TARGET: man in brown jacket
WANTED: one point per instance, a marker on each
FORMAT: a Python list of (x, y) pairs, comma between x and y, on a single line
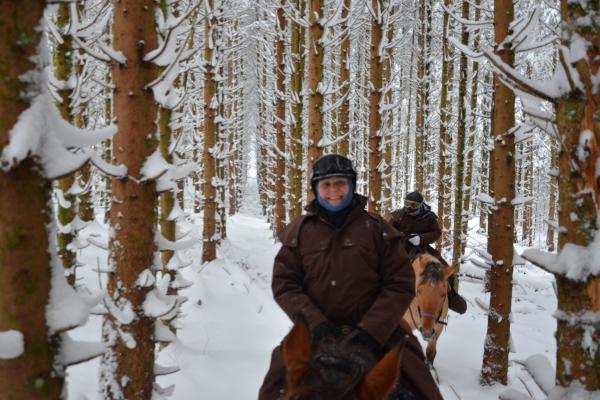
[(341, 269), (421, 229)]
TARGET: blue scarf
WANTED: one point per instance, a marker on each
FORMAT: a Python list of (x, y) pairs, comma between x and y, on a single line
[(346, 201), (336, 215), (416, 213)]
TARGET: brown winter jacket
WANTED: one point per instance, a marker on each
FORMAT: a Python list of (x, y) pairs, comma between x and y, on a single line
[(425, 225), (357, 274)]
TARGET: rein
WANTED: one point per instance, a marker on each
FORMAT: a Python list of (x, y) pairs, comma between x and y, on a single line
[(428, 315)]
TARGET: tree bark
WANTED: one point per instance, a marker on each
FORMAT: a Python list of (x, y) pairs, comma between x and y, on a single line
[(315, 76), (553, 183), (445, 140), (461, 213), (297, 149), (63, 68), (24, 258), (501, 231), (420, 142), (280, 125), (128, 364), (577, 333), (375, 128), (209, 241), (344, 81)]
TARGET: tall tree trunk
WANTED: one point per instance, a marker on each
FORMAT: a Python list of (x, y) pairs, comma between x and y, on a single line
[(128, 365), (316, 53), (388, 123), (467, 207), (552, 220), (24, 258), (485, 154), (528, 227), (375, 87), (209, 247), (297, 149), (420, 142), (167, 198), (444, 165), (409, 119), (461, 214), (280, 125), (63, 67), (501, 232), (344, 81), (577, 333), (85, 208)]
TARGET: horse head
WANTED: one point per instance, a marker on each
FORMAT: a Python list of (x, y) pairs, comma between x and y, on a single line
[(335, 371), (432, 293)]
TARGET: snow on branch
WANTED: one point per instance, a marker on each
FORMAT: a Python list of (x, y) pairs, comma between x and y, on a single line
[(160, 370), (41, 132), (12, 344), (166, 174), (541, 370), (513, 394), (547, 90), (74, 352), (164, 244), (467, 22), (575, 262), (65, 309)]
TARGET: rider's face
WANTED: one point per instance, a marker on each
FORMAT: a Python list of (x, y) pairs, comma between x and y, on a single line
[(333, 190)]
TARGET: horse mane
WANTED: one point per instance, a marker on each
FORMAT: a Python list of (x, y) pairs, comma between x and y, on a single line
[(432, 271), (336, 370)]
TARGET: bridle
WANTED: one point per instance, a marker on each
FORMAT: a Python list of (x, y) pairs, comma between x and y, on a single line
[(426, 314)]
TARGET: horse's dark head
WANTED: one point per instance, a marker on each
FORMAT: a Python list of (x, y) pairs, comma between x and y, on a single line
[(335, 370)]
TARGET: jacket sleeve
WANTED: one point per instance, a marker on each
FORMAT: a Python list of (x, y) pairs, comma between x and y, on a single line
[(288, 288), (395, 221), (396, 294), (433, 232)]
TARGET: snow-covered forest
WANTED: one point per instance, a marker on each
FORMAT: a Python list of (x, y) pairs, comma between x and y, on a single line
[(152, 150)]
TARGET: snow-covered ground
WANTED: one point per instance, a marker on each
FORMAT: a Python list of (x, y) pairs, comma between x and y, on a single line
[(231, 322)]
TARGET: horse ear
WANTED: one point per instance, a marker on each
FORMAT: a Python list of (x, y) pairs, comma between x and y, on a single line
[(380, 381), (448, 272), (296, 354)]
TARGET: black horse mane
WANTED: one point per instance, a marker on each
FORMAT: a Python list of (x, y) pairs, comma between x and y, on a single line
[(335, 372), (432, 273)]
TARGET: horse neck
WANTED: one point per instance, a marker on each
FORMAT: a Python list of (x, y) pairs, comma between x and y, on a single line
[(411, 316)]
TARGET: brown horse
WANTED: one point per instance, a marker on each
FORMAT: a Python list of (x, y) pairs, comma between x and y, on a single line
[(333, 371), (429, 309)]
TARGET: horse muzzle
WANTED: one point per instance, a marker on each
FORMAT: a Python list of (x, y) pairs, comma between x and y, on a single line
[(427, 335)]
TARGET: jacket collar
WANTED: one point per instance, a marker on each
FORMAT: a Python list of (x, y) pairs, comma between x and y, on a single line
[(357, 207)]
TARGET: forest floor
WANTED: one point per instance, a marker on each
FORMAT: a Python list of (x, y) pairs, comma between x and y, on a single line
[(230, 323)]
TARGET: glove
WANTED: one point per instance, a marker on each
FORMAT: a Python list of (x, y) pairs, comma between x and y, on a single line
[(415, 240), (325, 330), (368, 342)]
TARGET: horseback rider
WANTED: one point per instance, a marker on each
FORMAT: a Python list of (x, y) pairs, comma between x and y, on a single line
[(344, 272), (421, 229)]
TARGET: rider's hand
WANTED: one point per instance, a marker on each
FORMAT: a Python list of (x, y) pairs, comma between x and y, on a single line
[(325, 330), (415, 240), (362, 338)]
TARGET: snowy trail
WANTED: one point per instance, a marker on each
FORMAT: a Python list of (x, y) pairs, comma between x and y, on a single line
[(231, 323)]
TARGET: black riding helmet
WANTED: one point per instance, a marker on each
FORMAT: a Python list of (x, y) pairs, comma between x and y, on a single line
[(332, 165), (413, 200)]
